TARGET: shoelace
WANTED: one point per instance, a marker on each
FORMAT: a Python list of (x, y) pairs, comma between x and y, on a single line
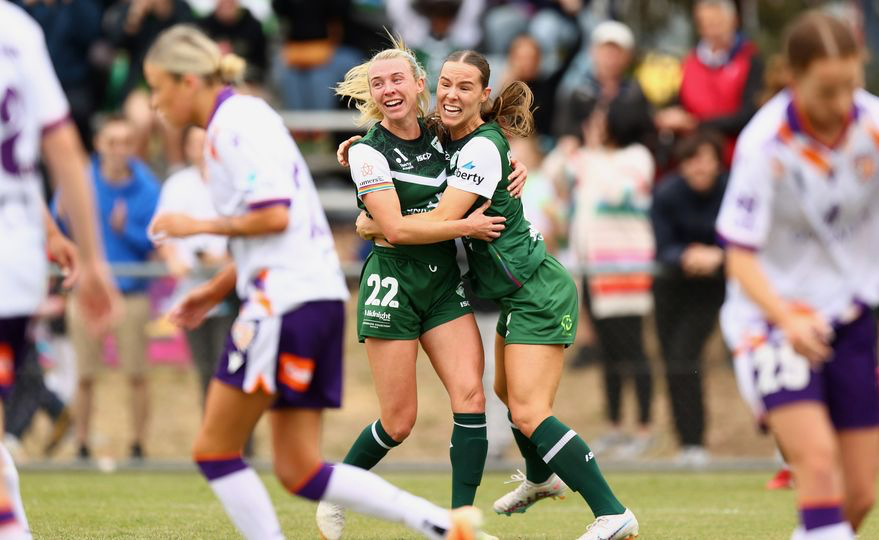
[(518, 477), (598, 522)]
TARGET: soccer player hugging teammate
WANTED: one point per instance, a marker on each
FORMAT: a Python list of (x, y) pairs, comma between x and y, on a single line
[(537, 297), (800, 223), (411, 293), (284, 352)]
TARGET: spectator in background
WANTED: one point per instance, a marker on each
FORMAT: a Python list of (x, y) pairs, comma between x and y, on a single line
[(313, 58), (126, 193), (722, 78), (540, 198), (614, 174), (71, 29), (435, 28), (186, 192), (131, 26), (690, 289), (612, 47), (524, 64), (236, 30)]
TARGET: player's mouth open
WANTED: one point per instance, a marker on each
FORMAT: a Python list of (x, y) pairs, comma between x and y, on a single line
[(451, 109), (393, 104)]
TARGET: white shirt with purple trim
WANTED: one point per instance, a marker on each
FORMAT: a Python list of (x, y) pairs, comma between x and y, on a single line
[(808, 211), (31, 102), (252, 162)]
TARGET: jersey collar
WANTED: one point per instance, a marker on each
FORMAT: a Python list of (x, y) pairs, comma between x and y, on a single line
[(224, 94)]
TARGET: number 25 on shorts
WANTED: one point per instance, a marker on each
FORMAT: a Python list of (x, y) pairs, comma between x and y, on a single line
[(779, 367), (377, 283)]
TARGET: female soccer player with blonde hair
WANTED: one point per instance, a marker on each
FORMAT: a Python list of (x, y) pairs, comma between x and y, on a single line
[(411, 293), (800, 224), (284, 351), (537, 297)]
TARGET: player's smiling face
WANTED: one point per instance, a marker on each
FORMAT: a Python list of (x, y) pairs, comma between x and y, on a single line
[(459, 97), (393, 86)]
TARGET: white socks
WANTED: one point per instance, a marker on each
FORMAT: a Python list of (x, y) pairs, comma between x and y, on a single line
[(367, 493), (10, 481), (837, 531), (247, 502)]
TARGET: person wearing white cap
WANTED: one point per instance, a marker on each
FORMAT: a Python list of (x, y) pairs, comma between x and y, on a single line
[(611, 50)]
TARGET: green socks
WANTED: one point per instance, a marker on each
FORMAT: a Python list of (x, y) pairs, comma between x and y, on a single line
[(536, 471), (569, 456), (370, 447), (467, 452)]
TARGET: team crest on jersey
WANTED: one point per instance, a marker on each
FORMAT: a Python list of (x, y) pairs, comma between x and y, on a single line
[(436, 144), (567, 323), (243, 333), (460, 290), (453, 161), (865, 165)]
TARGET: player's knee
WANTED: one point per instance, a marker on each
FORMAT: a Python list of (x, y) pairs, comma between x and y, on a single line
[(400, 425), (526, 418), (470, 399), (820, 464), (294, 473)]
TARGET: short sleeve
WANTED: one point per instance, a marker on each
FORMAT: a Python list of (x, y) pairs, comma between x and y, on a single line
[(254, 172), (479, 168), (746, 211), (50, 104), (369, 170)]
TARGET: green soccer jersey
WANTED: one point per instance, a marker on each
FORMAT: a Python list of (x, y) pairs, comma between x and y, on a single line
[(480, 163), (415, 169)]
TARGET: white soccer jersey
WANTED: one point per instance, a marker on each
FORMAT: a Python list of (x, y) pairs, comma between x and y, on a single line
[(31, 102), (253, 162), (808, 211)]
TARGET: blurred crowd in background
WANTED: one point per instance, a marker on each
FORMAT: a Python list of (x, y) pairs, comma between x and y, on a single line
[(638, 106)]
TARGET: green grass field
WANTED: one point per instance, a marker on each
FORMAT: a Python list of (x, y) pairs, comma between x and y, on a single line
[(670, 506)]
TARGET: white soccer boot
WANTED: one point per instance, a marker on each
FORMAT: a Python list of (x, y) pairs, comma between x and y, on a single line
[(614, 527), (520, 499), (330, 520)]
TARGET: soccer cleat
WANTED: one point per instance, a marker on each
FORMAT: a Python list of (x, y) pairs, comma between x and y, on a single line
[(330, 520), (783, 479), (520, 499), (614, 527), (466, 523)]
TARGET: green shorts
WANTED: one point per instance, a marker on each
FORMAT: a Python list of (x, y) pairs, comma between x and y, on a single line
[(543, 311), (401, 298)]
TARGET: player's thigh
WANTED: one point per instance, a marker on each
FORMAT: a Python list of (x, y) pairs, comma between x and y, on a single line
[(393, 373), (859, 455), (807, 438), (500, 370), (533, 373), (230, 414), (455, 350), (296, 437)]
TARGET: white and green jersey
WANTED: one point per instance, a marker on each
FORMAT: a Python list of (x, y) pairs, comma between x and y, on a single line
[(415, 169), (480, 163)]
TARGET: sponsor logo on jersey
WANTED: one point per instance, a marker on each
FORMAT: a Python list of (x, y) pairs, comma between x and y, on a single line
[(469, 177), (403, 161), (381, 315), (423, 157), (366, 169), (469, 166), (567, 323), (436, 144)]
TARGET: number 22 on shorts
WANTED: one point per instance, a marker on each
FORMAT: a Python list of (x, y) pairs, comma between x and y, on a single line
[(779, 367), (377, 283)]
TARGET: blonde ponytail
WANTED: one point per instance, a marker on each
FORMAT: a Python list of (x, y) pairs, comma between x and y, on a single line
[(355, 85), (185, 50)]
